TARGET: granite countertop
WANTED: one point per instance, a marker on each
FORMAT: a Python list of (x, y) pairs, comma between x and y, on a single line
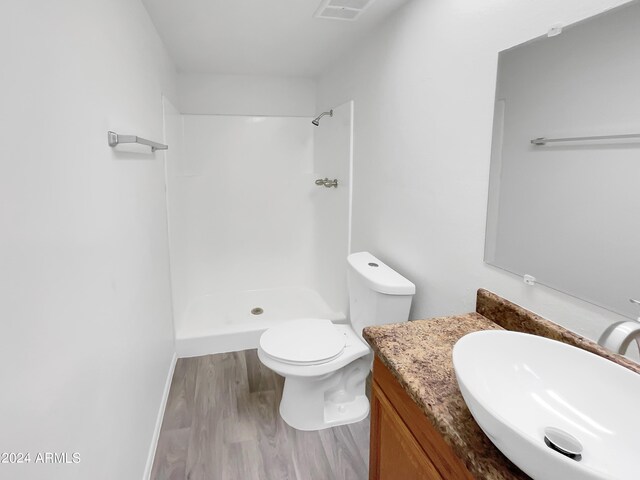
[(419, 355)]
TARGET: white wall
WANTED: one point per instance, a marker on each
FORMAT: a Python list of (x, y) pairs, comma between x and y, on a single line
[(424, 87), (87, 337), (246, 95)]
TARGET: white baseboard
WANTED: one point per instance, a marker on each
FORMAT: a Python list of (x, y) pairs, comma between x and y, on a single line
[(156, 431)]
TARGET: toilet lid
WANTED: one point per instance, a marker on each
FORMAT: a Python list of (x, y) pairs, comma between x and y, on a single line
[(306, 341)]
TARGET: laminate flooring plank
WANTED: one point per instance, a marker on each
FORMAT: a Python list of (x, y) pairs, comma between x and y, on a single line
[(205, 455), (260, 377), (171, 455), (274, 439), (241, 425), (181, 395), (309, 457), (360, 433), (243, 462), (343, 454), (238, 425), (222, 423)]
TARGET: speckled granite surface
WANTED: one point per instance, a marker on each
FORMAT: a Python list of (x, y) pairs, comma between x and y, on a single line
[(418, 354), (515, 318)]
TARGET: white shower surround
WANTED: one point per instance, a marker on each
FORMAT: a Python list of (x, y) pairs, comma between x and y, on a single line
[(249, 227)]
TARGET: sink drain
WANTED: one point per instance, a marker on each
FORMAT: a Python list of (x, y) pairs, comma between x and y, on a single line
[(257, 311), (562, 442)]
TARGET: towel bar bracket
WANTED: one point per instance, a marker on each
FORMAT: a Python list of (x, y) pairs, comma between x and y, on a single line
[(115, 139)]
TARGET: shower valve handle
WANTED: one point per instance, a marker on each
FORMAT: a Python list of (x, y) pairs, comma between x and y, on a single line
[(327, 183)]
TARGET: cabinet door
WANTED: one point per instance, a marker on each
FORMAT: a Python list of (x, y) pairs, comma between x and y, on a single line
[(395, 453)]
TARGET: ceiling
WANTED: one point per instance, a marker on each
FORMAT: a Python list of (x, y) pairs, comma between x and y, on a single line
[(258, 37)]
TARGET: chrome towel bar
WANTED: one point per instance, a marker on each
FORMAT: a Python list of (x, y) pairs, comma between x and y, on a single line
[(544, 141), (115, 139)]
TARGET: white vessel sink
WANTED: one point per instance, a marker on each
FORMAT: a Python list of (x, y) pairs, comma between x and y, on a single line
[(519, 386)]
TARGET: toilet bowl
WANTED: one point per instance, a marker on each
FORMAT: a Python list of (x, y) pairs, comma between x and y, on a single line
[(326, 365)]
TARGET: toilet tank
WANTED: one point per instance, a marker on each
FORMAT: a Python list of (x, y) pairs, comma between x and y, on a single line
[(377, 293)]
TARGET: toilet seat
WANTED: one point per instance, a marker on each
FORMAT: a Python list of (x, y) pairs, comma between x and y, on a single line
[(309, 341)]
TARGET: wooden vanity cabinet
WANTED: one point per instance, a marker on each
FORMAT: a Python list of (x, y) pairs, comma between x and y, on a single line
[(404, 443)]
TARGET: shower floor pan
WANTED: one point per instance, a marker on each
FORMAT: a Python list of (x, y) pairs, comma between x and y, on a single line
[(232, 321)]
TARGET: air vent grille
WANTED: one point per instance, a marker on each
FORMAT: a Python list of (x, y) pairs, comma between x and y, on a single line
[(342, 9), (354, 4)]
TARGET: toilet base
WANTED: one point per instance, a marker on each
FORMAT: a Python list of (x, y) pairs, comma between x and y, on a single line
[(337, 398)]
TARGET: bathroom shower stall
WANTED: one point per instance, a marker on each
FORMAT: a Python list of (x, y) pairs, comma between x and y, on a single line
[(257, 236)]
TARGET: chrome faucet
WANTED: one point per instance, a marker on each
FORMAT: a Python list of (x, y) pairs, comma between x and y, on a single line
[(618, 336)]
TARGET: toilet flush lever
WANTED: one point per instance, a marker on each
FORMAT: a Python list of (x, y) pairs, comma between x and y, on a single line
[(327, 183)]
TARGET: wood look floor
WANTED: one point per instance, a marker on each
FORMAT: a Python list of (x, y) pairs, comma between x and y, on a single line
[(222, 423)]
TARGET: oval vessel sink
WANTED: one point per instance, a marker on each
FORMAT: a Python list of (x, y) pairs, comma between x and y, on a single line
[(556, 411)]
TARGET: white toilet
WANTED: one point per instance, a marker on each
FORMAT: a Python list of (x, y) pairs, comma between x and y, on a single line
[(325, 365)]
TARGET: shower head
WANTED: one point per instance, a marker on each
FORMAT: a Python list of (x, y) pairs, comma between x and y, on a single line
[(316, 121)]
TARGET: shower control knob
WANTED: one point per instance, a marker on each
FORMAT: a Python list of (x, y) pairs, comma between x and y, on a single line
[(327, 183)]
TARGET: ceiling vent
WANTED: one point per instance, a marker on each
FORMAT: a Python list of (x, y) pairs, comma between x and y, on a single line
[(348, 10)]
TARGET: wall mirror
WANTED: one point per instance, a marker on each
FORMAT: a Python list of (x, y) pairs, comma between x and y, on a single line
[(564, 196)]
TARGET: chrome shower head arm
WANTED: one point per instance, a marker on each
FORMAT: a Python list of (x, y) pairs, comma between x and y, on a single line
[(316, 121)]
